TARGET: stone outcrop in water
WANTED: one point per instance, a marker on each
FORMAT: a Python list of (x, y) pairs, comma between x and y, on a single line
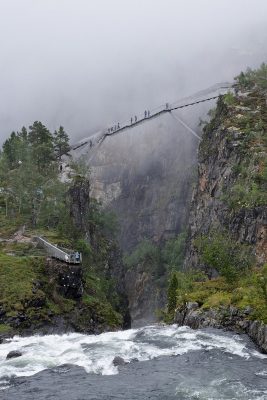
[(14, 354), (118, 361), (230, 318)]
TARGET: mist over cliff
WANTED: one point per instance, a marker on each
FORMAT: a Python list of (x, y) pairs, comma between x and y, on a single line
[(87, 65)]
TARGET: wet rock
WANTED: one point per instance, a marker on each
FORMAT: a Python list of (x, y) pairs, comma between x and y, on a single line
[(192, 320), (230, 318), (192, 305), (118, 361), (134, 360), (13, 354), (179, 317), (258, 333)]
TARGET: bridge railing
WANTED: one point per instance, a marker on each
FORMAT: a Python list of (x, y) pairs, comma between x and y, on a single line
[(138, 119), (55, 252)]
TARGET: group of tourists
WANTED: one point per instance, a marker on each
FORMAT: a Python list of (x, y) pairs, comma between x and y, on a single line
[(134, 119)]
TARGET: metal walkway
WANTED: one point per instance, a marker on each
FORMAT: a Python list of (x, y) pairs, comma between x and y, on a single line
[(60, 254), (98, 138)]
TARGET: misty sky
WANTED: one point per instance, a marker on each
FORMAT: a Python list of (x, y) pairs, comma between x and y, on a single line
[(85, 64)]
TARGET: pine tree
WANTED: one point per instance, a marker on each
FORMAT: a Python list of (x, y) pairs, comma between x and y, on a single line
[(41, 142), (11, 149), (61, 143), (172, 293)]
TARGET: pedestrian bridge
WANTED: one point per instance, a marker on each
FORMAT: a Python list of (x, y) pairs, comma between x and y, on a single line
[(99, 137), (65, 255)]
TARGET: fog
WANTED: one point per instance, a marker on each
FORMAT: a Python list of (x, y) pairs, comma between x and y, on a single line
[(86, 65)]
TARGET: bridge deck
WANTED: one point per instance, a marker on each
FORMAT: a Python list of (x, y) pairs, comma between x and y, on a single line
[(114, 131), (56, 252)]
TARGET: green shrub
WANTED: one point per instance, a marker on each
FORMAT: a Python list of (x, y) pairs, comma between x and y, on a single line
[(227, 256), (173, 252), (229, 99), (251, 78), (145, 252), (172, 298), (82, 246)]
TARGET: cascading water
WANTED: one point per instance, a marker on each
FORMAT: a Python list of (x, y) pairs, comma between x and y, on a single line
[(163, 362)]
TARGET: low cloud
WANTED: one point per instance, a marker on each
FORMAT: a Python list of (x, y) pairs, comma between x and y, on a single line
[(86, 65)]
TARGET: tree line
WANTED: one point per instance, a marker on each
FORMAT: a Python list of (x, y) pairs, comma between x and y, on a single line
[(30, 187)]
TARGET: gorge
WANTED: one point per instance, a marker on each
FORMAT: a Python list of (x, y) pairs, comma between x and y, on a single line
[(170, 229)]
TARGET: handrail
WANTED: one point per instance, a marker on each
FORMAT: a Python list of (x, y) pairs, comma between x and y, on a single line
[(56, 252), (99, 137)]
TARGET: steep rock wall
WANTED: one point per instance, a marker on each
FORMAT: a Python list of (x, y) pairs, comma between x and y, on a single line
[(230, 162), (144, 175)]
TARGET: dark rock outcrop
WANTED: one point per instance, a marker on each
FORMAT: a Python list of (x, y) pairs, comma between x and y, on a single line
[(79, 196), (118, 361), (145, 294), (68, 278), (14, 354), (230, 318), (114, 270)]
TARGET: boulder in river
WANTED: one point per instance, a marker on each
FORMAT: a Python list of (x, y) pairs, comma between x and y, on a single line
[(14, 354), (118, 361)]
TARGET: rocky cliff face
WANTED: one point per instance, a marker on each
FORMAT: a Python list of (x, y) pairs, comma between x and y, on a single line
[(230, 197), (145, 295), (144, 175), (106, 251), (79, 200), (229, 194), (230, 318)]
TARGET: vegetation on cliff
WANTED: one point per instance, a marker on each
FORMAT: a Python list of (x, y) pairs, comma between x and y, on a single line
[(37, 200), (226, 265)]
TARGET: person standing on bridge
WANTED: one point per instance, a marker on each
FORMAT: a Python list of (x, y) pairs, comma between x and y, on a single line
[(145, 113), (167, 106), (135, 118), (148, 114), (77, 256), (118, 125), (131, 120)]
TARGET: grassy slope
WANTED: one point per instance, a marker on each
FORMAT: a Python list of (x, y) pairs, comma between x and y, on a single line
[(248, 291), (21, 266)]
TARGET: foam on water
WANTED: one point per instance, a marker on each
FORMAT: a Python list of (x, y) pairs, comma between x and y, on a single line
[(96, 353), (219, 389)]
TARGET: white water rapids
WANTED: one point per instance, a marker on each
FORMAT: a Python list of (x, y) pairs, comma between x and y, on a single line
[(96, 353)]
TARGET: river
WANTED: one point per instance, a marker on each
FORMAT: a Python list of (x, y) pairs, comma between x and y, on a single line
[(164, 363)]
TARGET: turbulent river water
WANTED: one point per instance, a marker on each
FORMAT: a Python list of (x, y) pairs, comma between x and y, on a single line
[(164, 362)]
